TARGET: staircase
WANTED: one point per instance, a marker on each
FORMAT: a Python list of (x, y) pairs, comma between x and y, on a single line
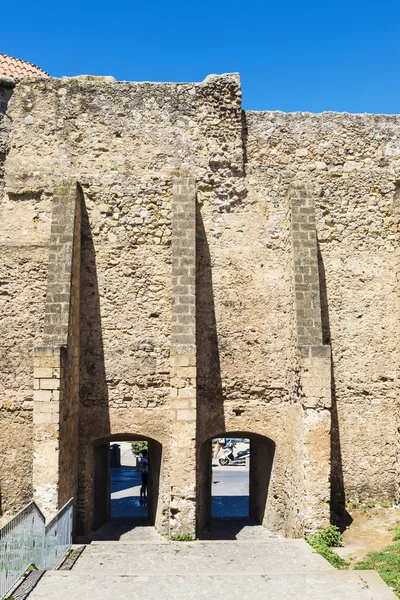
[(253, 567)]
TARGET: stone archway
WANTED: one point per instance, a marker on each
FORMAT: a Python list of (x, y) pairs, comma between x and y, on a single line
[(98, 473), (262, 454)]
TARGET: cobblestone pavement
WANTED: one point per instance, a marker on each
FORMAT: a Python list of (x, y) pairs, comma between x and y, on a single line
[(249, 568)]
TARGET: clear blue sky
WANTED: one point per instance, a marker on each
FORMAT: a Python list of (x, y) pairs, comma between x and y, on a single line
[(309, 56)]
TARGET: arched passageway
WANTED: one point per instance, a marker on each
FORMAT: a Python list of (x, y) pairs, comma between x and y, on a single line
[(99, 464), (262, 453)]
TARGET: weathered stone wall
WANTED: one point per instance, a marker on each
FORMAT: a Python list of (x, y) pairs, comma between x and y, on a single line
[(125, 143), (24, 234), (352, 163), (245, 344)]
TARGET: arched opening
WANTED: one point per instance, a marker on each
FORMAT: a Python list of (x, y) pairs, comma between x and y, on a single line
[(231, 505), (230, 478), (129, 479), (117, 485)]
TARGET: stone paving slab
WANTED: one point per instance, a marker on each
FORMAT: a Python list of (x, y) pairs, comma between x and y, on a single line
[(201, 557), (278, 585)]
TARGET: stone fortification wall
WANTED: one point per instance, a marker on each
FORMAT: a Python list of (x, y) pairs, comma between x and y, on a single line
[(353, 165), (125, 143), (24, 234)]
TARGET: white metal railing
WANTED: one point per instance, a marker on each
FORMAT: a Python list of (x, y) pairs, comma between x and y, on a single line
[(58, 533), (26, 540), (21, 544)]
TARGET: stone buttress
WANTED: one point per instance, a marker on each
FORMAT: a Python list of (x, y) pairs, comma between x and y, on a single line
[(314, 358), (56, 362), (183, 359)]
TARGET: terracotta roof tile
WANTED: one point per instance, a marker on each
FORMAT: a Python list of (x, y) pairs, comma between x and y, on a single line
[(14, 67)]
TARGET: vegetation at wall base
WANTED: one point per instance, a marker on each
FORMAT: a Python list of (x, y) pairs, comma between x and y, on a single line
[(323, 541), (386, 563), (181, 538)]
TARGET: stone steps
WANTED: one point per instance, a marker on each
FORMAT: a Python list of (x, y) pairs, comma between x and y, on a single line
[(193, 557), (270, 585), (273, 569)]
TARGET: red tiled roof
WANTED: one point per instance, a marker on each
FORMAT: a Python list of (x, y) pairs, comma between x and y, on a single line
[(15, 67)]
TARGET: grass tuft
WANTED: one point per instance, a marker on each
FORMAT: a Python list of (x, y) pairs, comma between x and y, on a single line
[(181, 538), (386, 563)]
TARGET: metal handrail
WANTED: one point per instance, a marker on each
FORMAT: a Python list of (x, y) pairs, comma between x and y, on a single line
[(19, 513), (58, 533), (22, 541), (26, 540)]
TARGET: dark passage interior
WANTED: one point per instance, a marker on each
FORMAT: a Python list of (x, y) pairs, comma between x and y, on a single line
[(230, 478), (126, 466), (118, 480), (233, 485)]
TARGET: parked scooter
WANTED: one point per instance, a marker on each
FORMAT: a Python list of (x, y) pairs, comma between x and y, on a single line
[(229, 458)]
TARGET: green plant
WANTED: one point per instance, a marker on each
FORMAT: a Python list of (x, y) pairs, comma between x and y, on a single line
[(330, 536), (323, 541), (396, 533), (364, 505), (387, 563), (181, 538), (138, 447)]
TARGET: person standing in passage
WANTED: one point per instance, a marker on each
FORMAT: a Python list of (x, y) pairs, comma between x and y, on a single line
[(220, 445), (144, 470)]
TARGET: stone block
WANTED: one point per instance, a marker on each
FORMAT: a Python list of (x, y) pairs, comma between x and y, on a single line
[(177, 383), (186, 372), (47, 418), (187, 392), (42, 395), (188, 415), (49, 361), (45, 351), (43, 372), (50, 384), (178, 403)]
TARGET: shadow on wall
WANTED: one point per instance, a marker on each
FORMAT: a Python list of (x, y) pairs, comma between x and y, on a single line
[(262, 455), (94, 420), (5, 95), (339, 514), (210, 402), (245, 135)]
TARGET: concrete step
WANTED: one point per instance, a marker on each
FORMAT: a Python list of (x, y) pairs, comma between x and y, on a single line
[(200, 557), (96, 584)]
